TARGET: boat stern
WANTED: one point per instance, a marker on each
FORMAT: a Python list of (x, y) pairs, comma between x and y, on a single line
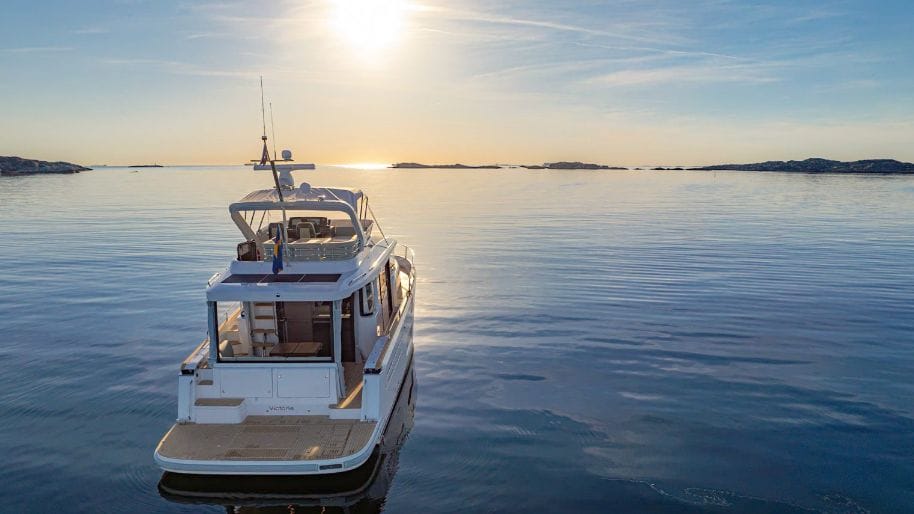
[(268, 445)]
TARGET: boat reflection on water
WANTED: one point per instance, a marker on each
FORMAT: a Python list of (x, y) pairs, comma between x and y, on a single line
[(360, 490)]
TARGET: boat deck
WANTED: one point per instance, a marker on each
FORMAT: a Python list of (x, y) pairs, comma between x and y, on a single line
[(268, 438)]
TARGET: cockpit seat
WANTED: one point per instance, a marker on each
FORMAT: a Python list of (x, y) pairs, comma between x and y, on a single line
[(345, 231), (306, 230), (225, 349)]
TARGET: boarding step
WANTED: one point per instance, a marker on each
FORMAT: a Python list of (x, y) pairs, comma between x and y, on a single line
[(349, 407), (219, 410), (205, 389), (336, 413)]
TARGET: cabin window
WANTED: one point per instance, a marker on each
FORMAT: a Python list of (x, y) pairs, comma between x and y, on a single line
[(384, 298), (347, 327), (383, 291), (366, 299), (390, 291), (393, 272), (225, 320)]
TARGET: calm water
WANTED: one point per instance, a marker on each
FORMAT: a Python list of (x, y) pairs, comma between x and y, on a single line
[(585, 341)]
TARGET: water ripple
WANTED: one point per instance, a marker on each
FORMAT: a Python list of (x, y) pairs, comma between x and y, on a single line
[(633, 341)]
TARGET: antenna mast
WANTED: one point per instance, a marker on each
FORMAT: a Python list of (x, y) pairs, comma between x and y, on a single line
[(263, 115), (263, 112), (273, 129)]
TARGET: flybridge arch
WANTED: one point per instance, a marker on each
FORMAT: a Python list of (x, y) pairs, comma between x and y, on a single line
[(351, 202)]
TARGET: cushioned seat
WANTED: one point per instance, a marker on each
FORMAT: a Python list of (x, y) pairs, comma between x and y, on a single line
[(226, 349), (344, 231), (305, 230)]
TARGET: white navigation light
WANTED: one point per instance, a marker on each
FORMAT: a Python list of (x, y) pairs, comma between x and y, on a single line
[(287, 155)]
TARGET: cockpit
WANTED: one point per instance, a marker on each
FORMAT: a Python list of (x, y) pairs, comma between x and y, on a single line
[(343, 330)]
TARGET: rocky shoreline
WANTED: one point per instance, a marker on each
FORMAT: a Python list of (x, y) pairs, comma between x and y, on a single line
[(20, 166), (817, 165), (813, 165)]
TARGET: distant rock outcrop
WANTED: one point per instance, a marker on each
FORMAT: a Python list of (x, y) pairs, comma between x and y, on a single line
[(821, 166), (20, 166), (416, 165), (565, 165)]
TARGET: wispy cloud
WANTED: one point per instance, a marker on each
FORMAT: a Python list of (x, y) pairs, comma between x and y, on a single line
[(90, 31), (236, 18), (618, 30), (204, 35), (223, 35), (816, 15), (698, 73), (183, 68), (661, 52), (35, 49)]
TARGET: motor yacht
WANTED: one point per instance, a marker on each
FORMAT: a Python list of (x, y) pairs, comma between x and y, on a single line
[(310, 334)]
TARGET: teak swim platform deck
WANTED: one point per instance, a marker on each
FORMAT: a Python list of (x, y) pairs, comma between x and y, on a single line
[(268, 438)]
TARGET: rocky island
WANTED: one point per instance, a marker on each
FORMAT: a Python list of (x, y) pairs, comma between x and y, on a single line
[(575, 165), (814, 165), (416, 165), (20, 166), (821, 166)]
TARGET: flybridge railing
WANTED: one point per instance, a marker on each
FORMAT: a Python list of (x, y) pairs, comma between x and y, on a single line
[(333, 251), (408, 254)]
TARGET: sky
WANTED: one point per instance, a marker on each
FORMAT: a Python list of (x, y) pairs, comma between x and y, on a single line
[(620, 82)]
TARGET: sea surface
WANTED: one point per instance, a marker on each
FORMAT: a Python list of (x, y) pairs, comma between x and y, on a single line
[(586, 341)]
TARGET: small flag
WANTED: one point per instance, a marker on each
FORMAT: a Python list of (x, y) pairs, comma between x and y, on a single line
[(266, 154), (277, 251)]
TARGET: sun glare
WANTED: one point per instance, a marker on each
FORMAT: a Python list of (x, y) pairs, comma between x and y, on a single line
[(369, 26)]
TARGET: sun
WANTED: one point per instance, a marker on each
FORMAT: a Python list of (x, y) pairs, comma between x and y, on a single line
[(369, 26)]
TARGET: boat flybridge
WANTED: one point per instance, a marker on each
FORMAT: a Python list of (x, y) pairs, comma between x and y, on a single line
[(310, 336)]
